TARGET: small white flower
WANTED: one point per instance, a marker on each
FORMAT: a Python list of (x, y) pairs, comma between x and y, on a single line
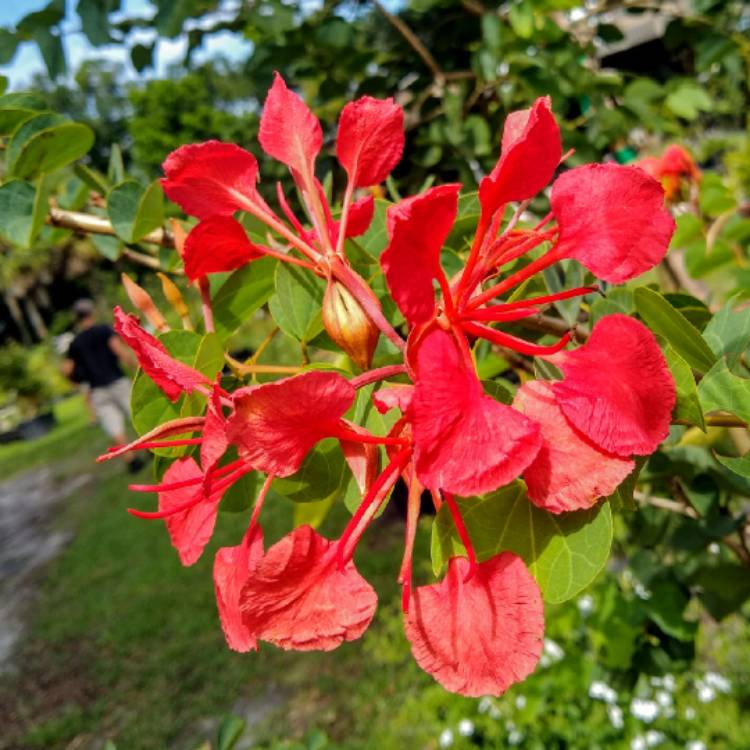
[(654, 738), (714, 548), (615, 716), (718, 681), (585, 604), (600, 691), (495, 712), (515, 737), (484, 705), (669, 682), (466, 727), (689, 713), (638, 743), (520, 702), (705, 692), (641, 591), (696, 745), (446, 738), (645, 710), (663, 698), (553, 650)]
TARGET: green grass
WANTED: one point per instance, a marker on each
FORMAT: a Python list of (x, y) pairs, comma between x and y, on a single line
[(71, 433)]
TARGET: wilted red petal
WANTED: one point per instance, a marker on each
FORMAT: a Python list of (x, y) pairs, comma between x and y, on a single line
[(465, 442), (360, 216), (530, 154), (211, 178), (297, 598), (289, 131), (171, 375), (232, 567), (478, 637), (612, 219), (569, 472), (276, 424), (370, 140), (215, 245), (617, 390), (191, 529), (417, 228)]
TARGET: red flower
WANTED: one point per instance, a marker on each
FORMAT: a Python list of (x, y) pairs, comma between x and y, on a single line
[(478, 632), (672, 168)]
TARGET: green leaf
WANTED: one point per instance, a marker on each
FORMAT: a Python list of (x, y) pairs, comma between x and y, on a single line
[(665, 607), (92, 178), (722, 390), (134, 210), (244, 292), (115, 167), (521, 18), (23, 209), (375, 239), (17, 108), (319, 477), (689, 100), (564, 552), (314, 513), (728, 332), (230, 731), (688, 407), (715, 195), (739, 465), (8, 44), (142, 56), (94, 15), (689, 228), (675, 328), (53, 53), (296, 304), (45, 143)]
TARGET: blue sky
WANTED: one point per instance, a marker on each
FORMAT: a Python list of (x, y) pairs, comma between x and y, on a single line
[(28, 61)]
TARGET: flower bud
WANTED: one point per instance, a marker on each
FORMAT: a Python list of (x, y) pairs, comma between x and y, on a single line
[(141, 299), (348, 324)]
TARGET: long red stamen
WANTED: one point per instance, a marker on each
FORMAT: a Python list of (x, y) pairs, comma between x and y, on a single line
[(187, 482), (464, 282), (171, 443), (293, 220), (412, 516), (173, 427), (344, 433), (500, 316), (543, 300), (253, 525), (509, 253), (545, 261), (463, 534), (369, 506), (511, 342)]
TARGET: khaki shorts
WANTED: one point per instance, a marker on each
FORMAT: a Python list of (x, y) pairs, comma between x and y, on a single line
[(112, 406)]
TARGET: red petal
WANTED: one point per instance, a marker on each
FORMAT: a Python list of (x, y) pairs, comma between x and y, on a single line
[(530, 154), (569, 472), (360, 216), (478, 637), (393, 397), (465, 442), (276, 424), (211, 178), (215, 441), (417, 228), (215, 245), (370, 139), (297, 598), (231, 571), (171, 375), (612, 219), (289, 131), (191, 529), (618, 390)]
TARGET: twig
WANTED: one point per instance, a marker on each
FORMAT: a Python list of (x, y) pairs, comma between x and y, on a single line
[(88, 224)]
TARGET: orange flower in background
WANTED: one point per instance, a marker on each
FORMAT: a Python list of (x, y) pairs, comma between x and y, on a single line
[(674, 169)]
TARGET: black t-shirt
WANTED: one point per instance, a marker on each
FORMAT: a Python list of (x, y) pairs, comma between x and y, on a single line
[(95, 363)]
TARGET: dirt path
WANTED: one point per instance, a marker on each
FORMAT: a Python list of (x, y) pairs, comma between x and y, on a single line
[(28, 540)]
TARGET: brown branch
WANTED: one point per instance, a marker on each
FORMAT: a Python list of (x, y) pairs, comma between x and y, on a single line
[(558, 326), (88, 224), (413, 41)]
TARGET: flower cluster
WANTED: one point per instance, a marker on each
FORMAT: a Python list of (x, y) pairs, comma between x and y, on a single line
[(572, 440)]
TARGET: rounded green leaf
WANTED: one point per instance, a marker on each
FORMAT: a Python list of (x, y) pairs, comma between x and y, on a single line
[(45, 143), (134, 210), (23, 209), (564, 552), (297, 303), (17, 108)]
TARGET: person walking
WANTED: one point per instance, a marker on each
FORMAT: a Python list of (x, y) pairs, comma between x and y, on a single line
[(96, 358)]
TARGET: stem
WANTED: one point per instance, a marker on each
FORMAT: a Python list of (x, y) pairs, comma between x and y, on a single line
[(413, 507), (381, 373), (208, 315), (344, 218)]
